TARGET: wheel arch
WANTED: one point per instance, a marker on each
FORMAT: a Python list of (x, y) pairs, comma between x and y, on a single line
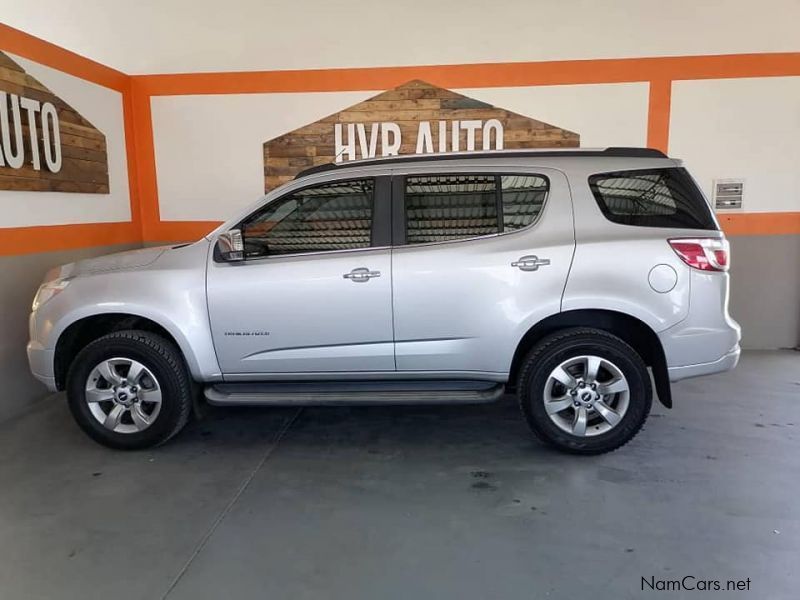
[(82, 331), (630, 329)]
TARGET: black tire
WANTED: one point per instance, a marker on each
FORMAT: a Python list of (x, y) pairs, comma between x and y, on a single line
[(568, 343), (165, 362)]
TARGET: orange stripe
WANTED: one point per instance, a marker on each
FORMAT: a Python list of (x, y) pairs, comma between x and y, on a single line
[(147, 213), (49, 238), (131, 154), (30, 47), (766, 223), (658, 113), (476, 75)]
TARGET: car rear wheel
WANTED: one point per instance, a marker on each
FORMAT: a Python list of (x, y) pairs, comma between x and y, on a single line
[(130, 390), (584, 391)]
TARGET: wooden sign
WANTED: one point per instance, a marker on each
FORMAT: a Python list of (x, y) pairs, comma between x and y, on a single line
[(45, 145), (413, 118)]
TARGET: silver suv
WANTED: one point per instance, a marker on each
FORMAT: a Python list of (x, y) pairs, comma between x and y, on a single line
[(566, 277)]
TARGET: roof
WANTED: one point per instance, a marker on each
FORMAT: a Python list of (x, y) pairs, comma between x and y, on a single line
[(615, 152)]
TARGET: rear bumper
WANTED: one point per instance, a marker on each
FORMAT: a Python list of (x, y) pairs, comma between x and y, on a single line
[(725, 363), (707, 340)]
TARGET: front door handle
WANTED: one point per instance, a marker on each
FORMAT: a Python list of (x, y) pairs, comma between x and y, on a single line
[(530, 262), (361, 275)]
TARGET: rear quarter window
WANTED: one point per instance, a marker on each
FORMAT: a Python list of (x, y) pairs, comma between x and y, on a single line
[(652, 198)]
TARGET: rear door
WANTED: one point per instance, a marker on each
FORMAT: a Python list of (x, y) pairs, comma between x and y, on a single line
[(479, 257)]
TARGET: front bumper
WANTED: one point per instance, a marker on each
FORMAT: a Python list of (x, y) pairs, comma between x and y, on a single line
[(725, 363), (41, 362)]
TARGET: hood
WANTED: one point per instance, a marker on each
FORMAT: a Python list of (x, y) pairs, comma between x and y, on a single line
[(120, 261)]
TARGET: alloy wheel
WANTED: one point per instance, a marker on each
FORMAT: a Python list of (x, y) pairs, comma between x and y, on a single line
[(123, 395), (586, 396)]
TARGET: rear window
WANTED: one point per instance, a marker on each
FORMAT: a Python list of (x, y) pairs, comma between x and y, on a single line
[(652, 198), (443, 208)]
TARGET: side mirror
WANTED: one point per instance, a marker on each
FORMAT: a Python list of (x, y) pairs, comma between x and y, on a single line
[(230, 246)]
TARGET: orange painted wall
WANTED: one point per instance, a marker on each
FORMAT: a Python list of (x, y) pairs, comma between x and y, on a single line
[(146, 224)]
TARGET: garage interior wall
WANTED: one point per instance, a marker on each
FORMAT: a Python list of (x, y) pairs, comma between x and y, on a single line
[(185, 145), (43, 229)]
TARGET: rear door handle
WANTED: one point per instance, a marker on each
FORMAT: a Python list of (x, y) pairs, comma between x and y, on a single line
[(530, 262), (361, 275)]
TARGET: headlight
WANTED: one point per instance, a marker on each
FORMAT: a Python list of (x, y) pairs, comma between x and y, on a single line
[(47, 291)]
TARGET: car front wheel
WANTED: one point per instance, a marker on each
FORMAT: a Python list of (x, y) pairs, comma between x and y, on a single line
[(130, 390)]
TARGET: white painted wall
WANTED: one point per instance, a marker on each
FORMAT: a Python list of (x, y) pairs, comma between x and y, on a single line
[(209, 156), (741, 128), (150, 36), (103, 108), (209, 149)]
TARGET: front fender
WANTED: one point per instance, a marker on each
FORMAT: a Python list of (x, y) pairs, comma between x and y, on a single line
[(193, 343), (175, 300)]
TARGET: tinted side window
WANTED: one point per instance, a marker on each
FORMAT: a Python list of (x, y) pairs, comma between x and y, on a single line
[(331, 216), (450, 207), (453, 207), (523, 198), (652, 198)]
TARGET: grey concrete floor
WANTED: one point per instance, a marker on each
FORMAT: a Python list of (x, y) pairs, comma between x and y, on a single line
[(398, 502)]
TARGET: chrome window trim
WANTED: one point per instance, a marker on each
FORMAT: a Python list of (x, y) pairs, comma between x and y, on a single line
[(317, 253)]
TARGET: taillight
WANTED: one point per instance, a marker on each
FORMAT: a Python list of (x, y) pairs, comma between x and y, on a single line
[(704, 254)]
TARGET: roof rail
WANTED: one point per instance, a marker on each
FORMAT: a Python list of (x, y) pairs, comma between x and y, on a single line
[(613, 151)]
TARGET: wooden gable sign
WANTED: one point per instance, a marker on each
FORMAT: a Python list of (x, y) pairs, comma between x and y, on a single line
[(45, 145), (415, 117)]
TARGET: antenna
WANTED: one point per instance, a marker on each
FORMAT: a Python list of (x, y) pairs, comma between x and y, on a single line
[(336, 158)]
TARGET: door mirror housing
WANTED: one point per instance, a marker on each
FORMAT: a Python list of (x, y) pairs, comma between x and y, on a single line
[(230, 246)]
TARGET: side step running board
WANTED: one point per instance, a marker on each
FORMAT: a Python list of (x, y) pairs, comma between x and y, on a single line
[(353, 393)]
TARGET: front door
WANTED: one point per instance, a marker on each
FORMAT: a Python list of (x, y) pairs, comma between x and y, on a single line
[(313, 295)]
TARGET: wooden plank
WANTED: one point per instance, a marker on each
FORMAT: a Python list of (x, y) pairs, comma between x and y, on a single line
[(80, 187), (98, 156), (84, 165), (273, 181), (82, 142), (21, 78), (80, 131), (7, 63), (287, 151), (348, 116), (379, 105), (23, 184), (11, 76), (12, 88), (68, 115)]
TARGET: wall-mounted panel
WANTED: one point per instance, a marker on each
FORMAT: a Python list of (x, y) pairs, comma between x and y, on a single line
[(92, 183), (415, 117), (45, 144)]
